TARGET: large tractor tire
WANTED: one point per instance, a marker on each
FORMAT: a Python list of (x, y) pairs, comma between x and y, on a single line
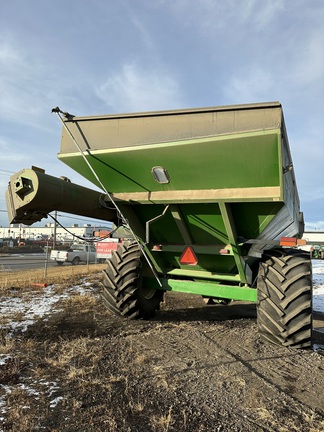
[(123, 287), (285, 298)]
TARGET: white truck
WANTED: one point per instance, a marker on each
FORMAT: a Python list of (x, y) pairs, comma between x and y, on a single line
[(78, 252)]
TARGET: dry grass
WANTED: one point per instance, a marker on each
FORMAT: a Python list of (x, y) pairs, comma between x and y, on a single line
[(63, 274), (162, 423), (6, 343)]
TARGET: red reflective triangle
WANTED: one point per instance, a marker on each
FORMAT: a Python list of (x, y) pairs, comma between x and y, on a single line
[(188, 257)]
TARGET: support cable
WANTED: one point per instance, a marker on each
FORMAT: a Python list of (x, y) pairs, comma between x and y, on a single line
[(58, 112)]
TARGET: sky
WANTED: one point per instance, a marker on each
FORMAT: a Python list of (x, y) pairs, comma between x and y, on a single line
[(107, 56)]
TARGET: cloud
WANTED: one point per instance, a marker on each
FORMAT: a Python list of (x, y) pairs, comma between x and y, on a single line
[(145, 34), (19, 80), (316, 225), (30, 86), (8, 153), (309, 68), (262, 13), (253, 84), (137, 89), (295, 77), (210, 16)]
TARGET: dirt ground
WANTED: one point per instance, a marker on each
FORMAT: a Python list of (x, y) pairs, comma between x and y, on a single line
[(192, 368)]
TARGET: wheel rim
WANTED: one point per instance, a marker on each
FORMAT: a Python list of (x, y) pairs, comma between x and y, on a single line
[(148, 292)]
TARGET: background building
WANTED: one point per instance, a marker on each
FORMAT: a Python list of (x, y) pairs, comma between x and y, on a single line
[(313, 238), (20, 231)]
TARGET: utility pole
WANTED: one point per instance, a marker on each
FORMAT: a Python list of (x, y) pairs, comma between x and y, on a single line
[(54, 234)]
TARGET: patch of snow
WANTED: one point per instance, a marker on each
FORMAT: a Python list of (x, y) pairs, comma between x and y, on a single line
[(55, 401), (35, 307), (50, 388), (4, 358), (28, 309)]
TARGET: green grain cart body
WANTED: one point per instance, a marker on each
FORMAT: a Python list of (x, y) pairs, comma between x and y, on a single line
[(229, 178), (207, 193)]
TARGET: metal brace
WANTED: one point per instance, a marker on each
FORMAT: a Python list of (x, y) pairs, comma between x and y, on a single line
[(58, 112)]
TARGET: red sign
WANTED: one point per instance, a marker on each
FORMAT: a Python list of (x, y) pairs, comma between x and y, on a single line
[(105, 248)]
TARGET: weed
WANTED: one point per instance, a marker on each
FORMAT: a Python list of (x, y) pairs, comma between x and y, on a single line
[(10, 371), (6, 342), (162, 423)]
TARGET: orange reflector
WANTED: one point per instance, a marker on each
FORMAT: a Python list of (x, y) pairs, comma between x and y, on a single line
[(288, 241), (188, 257)]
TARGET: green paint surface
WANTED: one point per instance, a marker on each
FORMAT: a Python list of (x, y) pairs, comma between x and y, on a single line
[(240, 161), (211, 289)]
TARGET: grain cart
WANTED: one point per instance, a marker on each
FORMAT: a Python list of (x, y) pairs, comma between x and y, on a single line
[(208, 194)]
